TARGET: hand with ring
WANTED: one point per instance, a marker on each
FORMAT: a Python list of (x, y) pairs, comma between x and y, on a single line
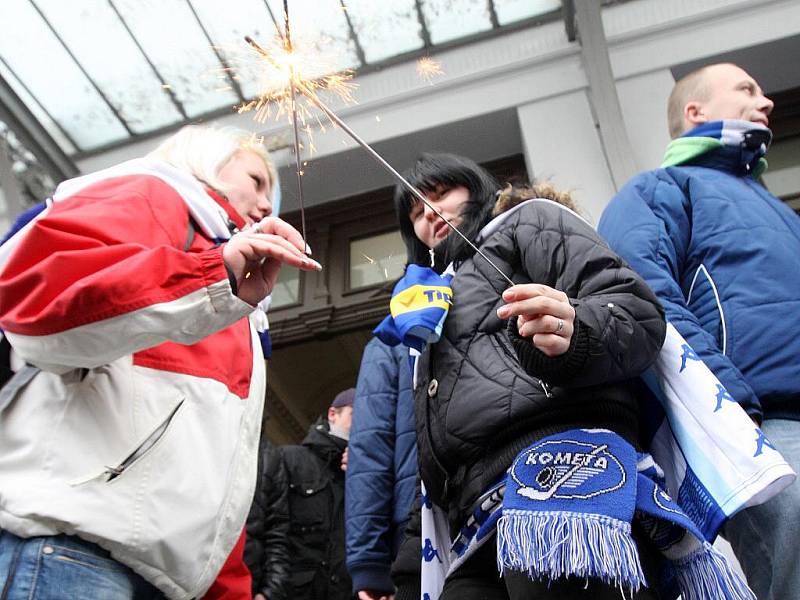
[(544, 314)]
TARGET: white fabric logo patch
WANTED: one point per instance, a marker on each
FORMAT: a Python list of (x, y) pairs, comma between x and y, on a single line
[(567, 469)]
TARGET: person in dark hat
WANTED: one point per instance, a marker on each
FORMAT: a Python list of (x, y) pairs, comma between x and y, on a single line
[(315, 471)]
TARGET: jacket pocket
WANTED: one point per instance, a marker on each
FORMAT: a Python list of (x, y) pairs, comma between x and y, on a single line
[(147, 446), (136, 454), (302, 583), (308, 505)]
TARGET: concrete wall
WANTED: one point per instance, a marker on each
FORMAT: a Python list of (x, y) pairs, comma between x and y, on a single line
[(562, 144)]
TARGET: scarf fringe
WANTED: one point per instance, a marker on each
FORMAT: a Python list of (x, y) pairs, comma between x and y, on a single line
[(705, 573), (580, 545)]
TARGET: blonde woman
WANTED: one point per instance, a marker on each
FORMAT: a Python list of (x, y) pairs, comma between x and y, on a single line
[(128, 443)]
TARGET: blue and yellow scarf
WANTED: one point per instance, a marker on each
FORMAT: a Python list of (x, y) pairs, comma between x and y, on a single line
[(420, 303)]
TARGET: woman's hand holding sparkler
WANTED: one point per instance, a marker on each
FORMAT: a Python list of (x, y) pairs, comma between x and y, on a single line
[(544, 314), (256, 255)]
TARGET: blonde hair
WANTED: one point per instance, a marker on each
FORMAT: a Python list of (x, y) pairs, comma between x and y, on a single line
[(510, 196), (689, 88), (203, 150)]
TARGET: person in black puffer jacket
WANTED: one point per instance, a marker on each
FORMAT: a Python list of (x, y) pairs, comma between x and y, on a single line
[(316, 506), (266, 552), (554, 352)]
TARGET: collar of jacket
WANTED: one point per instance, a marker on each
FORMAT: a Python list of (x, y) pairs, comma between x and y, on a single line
[(234, 218), (732, 145), (320, 441)]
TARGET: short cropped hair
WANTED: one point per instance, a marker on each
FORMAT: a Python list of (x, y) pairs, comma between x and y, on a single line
[(689, 88), (202, 151)]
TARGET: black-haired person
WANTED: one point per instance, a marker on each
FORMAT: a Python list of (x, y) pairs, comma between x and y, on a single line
[(514, 365)]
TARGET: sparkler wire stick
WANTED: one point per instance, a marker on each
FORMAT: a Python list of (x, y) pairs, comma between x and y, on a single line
[(381, 161), (292, 80), (402, 180)]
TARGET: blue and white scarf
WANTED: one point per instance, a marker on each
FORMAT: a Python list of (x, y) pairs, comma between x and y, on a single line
[(715, 458), (752, 140), (565, 509), (708, 470)]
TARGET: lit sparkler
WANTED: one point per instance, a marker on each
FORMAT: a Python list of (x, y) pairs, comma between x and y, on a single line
[(281, 72), (278, 67), (428, 68), (402, 180), (287, 32), (290, 65)]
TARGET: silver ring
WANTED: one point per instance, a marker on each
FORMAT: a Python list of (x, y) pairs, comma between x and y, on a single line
[(560, 325)]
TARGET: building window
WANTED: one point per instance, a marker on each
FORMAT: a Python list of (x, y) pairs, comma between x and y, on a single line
[(376, 260), (287, 288), (782, 178)]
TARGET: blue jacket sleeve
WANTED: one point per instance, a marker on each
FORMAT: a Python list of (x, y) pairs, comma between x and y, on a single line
[(370, 476), (648, 223)]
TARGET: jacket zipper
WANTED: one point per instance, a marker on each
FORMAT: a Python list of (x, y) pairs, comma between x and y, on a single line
[(431, 391), (152, 439)]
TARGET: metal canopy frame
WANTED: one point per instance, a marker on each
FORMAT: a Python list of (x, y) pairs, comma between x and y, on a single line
[(223, 63), (164, 85), (33, 135), (362, 59), (61, 165), (83, 70), (12, 105), (423, 26)]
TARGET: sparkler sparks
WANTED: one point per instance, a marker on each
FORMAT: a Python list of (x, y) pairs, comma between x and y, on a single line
[(278, 67), (285, 59), (428, 68), (292, 68)]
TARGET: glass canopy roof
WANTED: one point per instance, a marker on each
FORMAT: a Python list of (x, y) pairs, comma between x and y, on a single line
[(97, 73)]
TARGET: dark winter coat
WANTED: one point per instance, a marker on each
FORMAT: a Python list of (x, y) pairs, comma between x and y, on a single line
[(316, 512), (484, 393), (381, 465), (266, 551)]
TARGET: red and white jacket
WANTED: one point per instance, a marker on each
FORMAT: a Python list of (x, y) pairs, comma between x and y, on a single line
[(141, 431)]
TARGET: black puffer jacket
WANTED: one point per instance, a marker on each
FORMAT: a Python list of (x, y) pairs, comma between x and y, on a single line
[(494, 393), (266, 551), (316, 509)]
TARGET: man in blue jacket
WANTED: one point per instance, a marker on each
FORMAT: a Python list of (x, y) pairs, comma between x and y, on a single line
[(381, 468), (723, 255)]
